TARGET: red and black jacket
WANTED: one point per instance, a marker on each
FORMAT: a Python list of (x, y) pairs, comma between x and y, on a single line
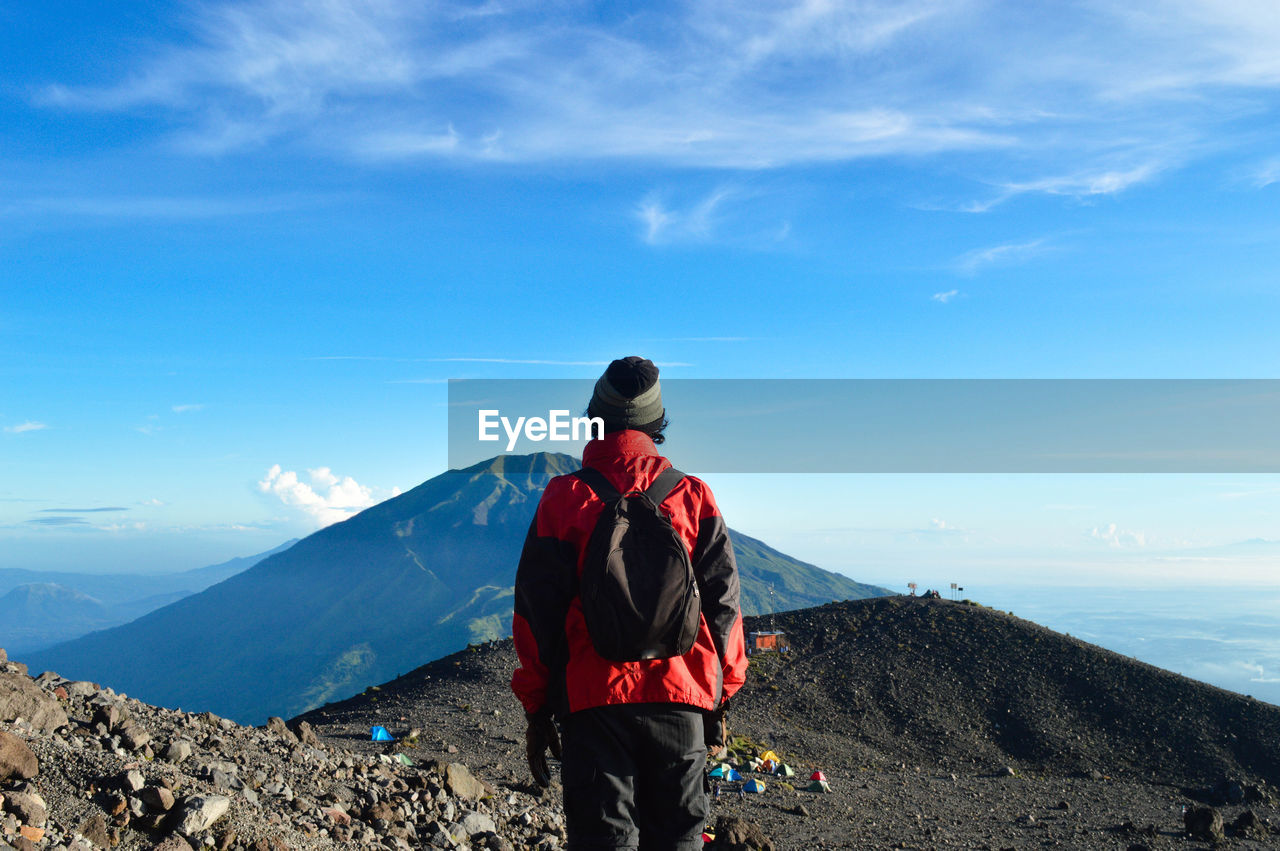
[(559, 668)]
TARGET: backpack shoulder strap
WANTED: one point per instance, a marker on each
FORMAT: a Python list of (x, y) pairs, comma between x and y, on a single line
[(663, 485), (598, 483)]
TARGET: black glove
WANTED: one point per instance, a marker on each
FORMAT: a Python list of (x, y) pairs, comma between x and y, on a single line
[(715, 730), (540, 736)]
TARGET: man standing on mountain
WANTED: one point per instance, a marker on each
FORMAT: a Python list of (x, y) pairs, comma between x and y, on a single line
[(635, 661)]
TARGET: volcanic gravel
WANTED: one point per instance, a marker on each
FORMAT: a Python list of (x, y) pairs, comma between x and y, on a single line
[(938, 724)]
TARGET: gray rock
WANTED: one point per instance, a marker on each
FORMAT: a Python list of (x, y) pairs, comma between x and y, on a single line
[(108, 715), (133, 737), (734, 833), (178, 751), (438, 836), (200, 812), (1248, 826), (83, 688), (307, 734), (22, 698), (16, 759), (473, 823), (277, 727), (132, 780), (222, 780), (29, 807), (173, 843), (157, 798), (94, 829), (1204, 823), (462, 782)]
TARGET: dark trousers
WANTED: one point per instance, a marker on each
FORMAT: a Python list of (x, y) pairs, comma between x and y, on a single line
[(633, 777)]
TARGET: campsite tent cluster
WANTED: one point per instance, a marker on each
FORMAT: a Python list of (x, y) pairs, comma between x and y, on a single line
[(766, 763)]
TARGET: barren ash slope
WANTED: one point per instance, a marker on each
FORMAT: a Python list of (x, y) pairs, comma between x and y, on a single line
[(939, 725)]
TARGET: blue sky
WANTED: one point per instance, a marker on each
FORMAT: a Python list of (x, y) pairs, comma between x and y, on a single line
[(249, 235)]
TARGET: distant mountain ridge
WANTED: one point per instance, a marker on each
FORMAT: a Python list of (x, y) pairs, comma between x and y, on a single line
[(403, 582), (39, 609)]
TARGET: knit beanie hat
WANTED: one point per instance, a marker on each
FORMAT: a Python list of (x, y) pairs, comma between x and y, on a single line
[(628, 395)]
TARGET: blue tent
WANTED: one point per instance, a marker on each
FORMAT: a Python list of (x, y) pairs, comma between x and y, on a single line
[(756, 786), (724, 771), (380, 734)]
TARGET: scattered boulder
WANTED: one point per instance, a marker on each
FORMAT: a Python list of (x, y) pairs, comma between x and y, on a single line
[(94, 829), (132, 736), (463, 783), (83, 688), (157, 798), (1248, 826), (474, 823), (132, 780), (277, 727), (16, 759), (736, 834), (1204, 823), (29, 807), (173, 843), (200, 812), (307, 734), (20, 697), (109, 716), (178, 751)]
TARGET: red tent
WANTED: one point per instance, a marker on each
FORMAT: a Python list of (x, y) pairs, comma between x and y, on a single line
[(817, 775)]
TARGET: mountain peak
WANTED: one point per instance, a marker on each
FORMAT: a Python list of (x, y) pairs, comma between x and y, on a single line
[(410, 579), (537, 463)]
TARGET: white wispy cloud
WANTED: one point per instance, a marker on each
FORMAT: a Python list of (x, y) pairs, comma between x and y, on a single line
[(29, 425), (1080, 185), (725, 213), (186, 409), (747, 85), (1267, 174), (696, 222), (971, 262), (946, 296), (327, 499), (1112, 535)]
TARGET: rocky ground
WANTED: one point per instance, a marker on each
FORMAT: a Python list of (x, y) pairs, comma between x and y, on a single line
[(82, 767), (937, 724)]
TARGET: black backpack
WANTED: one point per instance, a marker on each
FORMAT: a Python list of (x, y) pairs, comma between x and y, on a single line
[(639, 596)]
